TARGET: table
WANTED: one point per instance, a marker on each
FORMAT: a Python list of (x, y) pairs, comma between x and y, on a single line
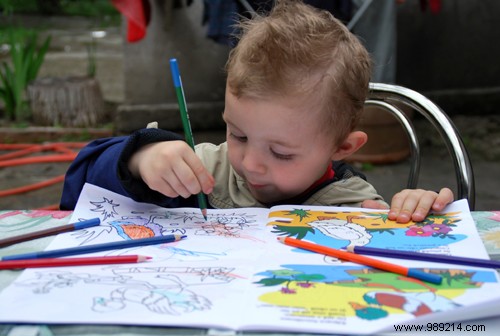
[(13, 222)]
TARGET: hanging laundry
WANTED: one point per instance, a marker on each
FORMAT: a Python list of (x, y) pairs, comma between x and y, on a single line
[(137, 14)]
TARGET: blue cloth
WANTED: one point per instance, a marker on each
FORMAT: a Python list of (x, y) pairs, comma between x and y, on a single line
[(103, 163), (220, 17)]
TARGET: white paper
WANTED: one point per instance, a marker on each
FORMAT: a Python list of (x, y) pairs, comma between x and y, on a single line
[(231, 272)]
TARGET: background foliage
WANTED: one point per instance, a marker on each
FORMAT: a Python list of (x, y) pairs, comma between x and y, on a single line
[(22, 53)]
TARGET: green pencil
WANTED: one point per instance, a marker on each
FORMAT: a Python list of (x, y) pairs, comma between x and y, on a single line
[(188, 133)]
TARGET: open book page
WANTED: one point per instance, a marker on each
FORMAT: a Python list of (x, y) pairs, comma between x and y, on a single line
[(231, 272), (320, 291)]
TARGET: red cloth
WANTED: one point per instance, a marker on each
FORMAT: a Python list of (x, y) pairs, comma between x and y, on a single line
[(434, 5), (328, 175), (137, 13)]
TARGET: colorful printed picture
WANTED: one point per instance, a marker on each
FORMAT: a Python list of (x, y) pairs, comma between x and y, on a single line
[(339, 229)]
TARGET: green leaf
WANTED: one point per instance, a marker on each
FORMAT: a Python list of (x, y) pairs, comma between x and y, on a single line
[(271, 281), (298, 232), (26, 60)]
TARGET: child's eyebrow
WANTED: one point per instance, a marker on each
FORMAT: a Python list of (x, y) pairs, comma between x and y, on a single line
[(230, 124)]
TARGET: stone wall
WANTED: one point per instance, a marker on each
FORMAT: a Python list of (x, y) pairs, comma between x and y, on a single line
[(451, 57)]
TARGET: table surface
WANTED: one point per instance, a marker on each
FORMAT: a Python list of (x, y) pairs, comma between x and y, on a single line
[(14, 222)]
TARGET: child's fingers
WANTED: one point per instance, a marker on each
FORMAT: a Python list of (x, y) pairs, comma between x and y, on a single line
[(415, 204), (411, 204), (397, 210), (165, 180), (203, 180), (444, 198), (182, 179), (425, 203), (160, 182), (372, 204)]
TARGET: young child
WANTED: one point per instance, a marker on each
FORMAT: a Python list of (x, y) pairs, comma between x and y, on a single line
[(296, 85)]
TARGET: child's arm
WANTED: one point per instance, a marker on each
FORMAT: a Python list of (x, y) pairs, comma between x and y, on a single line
[(96, 163), (104, 163), (414, 204)]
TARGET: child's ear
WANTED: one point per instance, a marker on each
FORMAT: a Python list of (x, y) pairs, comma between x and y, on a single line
[(353, 142)]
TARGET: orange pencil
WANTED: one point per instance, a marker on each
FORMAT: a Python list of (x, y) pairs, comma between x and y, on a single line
[(59, 262), (360, 259)]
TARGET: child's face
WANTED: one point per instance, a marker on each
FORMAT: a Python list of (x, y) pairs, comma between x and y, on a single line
[(276, 146)]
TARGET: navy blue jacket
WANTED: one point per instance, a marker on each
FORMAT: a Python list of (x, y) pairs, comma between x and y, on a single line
[(103, 163)]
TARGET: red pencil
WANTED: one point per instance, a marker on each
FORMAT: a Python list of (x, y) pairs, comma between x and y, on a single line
[(360, 259), (82, 261)]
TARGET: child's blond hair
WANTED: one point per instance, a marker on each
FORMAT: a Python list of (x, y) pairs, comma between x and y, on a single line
[(298, 50)]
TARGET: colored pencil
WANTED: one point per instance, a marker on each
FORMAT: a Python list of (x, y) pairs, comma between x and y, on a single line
[(188, 133), (50, 231), (359, 259), (430, 257), (95, 248), (82, 261)]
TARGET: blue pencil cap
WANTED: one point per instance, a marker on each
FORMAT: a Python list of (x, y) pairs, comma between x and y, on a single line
[(87, 223), (176, 76), (424, 276)]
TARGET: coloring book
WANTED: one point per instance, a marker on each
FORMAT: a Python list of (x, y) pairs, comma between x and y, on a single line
[(230, 272)]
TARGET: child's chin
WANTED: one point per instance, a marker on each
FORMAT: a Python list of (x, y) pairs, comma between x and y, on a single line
[(267, 198)]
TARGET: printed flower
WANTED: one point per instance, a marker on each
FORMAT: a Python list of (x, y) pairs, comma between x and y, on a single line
[(440, 228), (305, 284), (285, 290), (420, 231)]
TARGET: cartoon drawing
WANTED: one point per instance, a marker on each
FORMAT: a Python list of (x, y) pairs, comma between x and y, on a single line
[(363, 292), (161, 290), (142, 224), (358, 228), (171, 297), (415, 303), (343, 230), (106, 207)]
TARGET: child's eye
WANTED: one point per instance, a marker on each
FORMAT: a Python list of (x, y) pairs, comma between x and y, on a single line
[(284, 157), (239, 138)]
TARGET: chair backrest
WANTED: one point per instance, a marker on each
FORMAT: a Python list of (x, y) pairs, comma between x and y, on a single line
[(389, 96)]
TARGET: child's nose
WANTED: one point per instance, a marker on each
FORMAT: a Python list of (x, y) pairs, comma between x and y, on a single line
[(253, 161)]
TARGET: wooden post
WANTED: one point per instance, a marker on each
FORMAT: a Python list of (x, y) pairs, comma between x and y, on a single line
[(67, 102)]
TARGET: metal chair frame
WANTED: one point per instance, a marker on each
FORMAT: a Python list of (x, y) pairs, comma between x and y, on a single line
[(385, 95)]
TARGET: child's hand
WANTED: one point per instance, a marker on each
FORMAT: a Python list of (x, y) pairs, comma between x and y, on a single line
[(171, 168), (415, 204)]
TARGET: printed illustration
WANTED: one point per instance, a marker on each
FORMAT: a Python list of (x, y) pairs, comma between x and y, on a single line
[(365, 293), (142, 224), (341, 229), (231, 272), (161, 290)]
